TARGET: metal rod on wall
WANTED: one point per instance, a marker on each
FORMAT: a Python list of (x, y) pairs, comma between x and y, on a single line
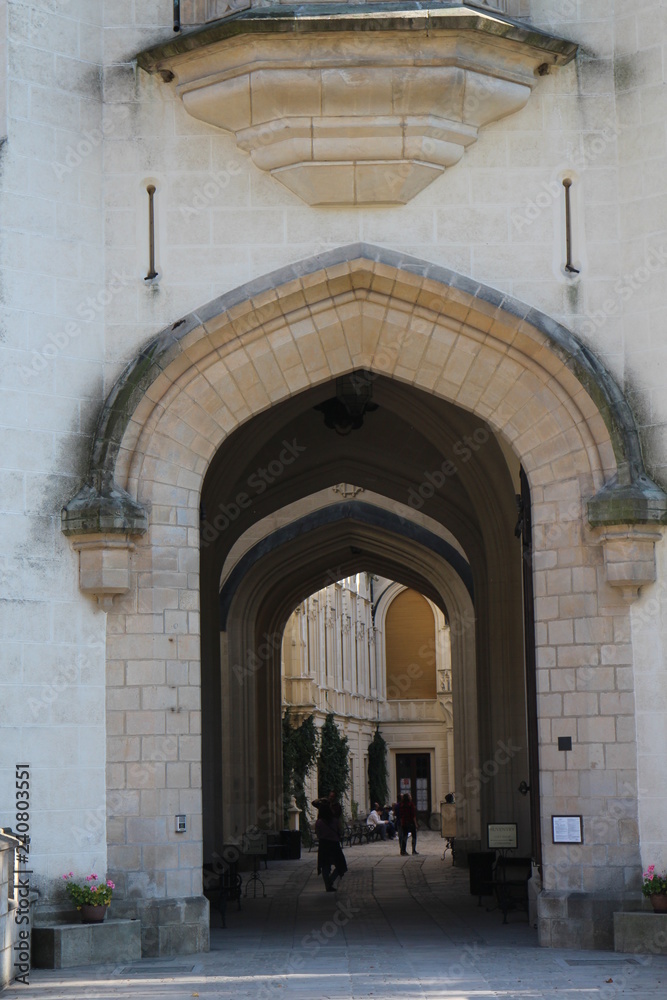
[(152, 273), (177, 15), (569, 266)]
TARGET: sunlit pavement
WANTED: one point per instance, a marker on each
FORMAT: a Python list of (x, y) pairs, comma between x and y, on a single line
[(398, 927)]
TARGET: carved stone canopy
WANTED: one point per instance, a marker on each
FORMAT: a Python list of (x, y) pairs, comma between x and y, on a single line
[(357, 104)]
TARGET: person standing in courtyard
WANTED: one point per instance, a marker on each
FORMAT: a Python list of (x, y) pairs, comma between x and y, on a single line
[(329, 851), (407, 817)]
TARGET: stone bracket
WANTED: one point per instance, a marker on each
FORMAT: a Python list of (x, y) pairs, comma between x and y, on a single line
[(629, 557), (103, 508), (104, 566), (640, 501), (363, 104)]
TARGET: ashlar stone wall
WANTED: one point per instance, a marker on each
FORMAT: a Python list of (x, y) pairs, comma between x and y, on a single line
[(52, 676)]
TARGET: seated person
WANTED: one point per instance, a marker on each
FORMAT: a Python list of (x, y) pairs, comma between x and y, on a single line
[(375, 821)]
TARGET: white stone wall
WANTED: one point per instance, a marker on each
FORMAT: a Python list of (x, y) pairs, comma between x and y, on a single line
[(52, 678), (640, 40)]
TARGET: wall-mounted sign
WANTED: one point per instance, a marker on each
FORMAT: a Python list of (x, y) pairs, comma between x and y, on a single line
[(501, 836), (255, 842), (567, 829)]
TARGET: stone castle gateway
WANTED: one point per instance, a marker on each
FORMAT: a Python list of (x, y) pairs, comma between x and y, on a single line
[(152, 566)]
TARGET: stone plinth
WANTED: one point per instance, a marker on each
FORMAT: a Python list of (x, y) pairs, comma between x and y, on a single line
[(640, 933), (170, 926), (62, 946), (584, 920)]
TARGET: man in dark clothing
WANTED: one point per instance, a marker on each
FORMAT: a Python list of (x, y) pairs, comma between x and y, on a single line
[(329, 852)]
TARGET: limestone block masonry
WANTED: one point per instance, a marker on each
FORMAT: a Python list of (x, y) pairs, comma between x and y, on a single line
[(339, 121)]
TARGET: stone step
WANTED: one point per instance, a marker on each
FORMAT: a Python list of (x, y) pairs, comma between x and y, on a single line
[(641, 933), (63, 946)]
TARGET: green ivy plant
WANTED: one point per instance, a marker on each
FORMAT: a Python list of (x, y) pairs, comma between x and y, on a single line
[(377, 769), (333, 765), (300, 747)]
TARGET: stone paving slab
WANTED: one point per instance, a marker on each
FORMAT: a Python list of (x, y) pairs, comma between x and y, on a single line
[(397, 928)]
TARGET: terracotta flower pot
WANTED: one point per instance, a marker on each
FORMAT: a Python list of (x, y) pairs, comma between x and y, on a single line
[(659, 903), (93, 914)]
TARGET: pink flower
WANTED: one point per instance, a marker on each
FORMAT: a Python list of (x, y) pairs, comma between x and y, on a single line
[(111, 885), (651, 868), (93, 888)]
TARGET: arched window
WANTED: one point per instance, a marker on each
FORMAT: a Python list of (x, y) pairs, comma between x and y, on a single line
[(410, 647)]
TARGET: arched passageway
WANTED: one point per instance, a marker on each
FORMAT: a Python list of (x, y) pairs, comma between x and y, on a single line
[(468, 384), (297, 534)]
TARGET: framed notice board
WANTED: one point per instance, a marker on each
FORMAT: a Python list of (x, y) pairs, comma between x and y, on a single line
[(502, 836), (567, 829)]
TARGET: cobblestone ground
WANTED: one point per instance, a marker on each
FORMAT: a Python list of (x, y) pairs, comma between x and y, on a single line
[(397, 928)]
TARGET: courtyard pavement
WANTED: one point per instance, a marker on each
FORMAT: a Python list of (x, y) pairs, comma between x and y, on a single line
[(397, 928)]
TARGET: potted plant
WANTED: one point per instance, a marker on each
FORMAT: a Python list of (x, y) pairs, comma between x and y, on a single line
[(655, 887), (92, 898)]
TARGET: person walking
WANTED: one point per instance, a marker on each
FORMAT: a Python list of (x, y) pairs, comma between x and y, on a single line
[(329, 852), (407, 816), (336, 810)]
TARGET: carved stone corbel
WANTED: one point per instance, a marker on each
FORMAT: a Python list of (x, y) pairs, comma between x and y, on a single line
[(357, 104), (100, 522), (104, 566), (629, 557)]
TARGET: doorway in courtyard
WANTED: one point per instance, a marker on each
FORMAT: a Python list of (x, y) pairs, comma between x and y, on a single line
[(413, 775), (365, 493)]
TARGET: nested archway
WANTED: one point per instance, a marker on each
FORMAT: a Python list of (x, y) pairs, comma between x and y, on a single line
[(458, 358)]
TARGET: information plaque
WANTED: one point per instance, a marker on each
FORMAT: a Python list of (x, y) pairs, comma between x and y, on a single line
[(255, 843), (567, 829), (501, 836)]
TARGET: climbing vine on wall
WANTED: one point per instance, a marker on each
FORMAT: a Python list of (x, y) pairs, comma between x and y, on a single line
[(377, 769), (333, 765), (300, 747)]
